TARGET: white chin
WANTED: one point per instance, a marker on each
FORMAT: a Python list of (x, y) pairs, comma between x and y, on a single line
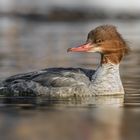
[(97, 49)]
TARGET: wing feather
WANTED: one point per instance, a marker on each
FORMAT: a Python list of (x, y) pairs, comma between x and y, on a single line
[(55, 77)]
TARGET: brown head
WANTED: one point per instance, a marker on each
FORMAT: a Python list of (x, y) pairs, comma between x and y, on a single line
[(105, 40)]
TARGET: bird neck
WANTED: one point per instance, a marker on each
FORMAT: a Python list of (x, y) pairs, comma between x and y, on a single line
[(106, 79), (113, 58)]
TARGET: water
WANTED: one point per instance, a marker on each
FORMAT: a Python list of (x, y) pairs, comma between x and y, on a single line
[(27, 46)]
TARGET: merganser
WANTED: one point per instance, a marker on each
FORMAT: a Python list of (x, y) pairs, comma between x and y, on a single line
[(71, 82)]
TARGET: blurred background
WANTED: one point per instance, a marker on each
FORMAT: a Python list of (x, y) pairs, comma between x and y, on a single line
[(35, 34)]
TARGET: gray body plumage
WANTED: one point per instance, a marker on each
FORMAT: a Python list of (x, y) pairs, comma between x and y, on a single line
[(64, 82), (54, 82)]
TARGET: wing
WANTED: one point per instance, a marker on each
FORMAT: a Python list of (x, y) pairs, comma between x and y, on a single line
[(49, 82), (55, 77)]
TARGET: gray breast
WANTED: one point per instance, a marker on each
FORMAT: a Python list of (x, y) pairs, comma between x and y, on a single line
[(106, 80)]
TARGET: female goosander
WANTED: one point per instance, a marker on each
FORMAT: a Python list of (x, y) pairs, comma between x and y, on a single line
[(69, 82)]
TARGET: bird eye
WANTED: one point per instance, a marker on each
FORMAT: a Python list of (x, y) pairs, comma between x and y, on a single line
[(99, 41)]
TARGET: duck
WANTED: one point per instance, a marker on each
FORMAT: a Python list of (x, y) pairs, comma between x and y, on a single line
[(77, 82)]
